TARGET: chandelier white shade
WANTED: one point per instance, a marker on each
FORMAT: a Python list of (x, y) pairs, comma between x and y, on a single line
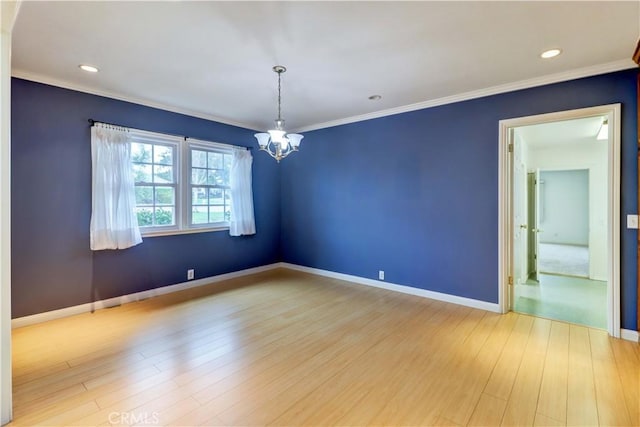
[(277, 142)]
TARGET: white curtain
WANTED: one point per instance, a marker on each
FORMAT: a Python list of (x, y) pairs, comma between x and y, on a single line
[(113, 220), (242, 220)]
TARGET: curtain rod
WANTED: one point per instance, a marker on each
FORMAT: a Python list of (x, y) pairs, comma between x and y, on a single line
[(92, 122)]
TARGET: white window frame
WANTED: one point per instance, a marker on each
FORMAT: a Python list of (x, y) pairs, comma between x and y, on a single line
[(153, 138), (182, 176), (190, 144)]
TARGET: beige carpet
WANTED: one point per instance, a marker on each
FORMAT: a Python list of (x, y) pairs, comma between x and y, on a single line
[(564, 259)]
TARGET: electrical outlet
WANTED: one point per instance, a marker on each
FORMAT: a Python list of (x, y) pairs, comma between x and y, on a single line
[(381, 275), (632, 221), (190, 274)]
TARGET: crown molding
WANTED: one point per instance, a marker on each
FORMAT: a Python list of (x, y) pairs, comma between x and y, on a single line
[(9, 10), (38, 78), (608, 67)]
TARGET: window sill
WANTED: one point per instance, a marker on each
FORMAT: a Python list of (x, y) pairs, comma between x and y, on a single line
[(160, 233)]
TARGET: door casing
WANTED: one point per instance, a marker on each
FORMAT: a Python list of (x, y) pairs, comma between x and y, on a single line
[(505, 204)]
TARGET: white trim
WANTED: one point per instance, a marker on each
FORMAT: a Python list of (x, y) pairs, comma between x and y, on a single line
[(630, 335), (626, 334), (8, 12), (593, 70), (504, 265), (468, 302), (138, 296), (39, 78), (504, 203), (209, 145), (174, 232)]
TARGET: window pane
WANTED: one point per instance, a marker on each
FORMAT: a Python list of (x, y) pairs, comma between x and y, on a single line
[(227, 162), (216, 196), (164, 196), (199, 215), (162, 174), (198, 159), (216, 177), (198, 176), (199, 196), (164, 216), (141, 173), (163, 155), (144, 195), (140, 153), (216, 214), (145, 216), (225, 174), (215, 160)]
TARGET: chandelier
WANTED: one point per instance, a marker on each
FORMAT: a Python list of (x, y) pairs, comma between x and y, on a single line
[(277, 142)]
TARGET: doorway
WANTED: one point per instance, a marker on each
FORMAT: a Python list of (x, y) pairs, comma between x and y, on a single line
[(559, 216)]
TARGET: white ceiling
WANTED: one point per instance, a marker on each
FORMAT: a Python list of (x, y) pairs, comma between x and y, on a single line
[(214, 59), (567, 132)]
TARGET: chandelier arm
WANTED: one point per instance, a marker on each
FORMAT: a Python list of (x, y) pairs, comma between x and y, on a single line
[(269, 152)]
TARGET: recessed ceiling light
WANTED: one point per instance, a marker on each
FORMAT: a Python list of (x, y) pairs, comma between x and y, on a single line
[(375, 97), (550, 53), (89, 68)]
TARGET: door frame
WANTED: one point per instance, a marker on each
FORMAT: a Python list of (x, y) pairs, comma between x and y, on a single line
[(505, 204), (8, 14)]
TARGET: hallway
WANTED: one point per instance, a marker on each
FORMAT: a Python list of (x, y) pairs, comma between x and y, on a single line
[(572, 299)]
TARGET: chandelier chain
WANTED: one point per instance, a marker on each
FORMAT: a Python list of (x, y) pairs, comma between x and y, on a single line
[(279, 97)]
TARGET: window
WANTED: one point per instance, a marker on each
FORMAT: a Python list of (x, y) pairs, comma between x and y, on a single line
[(210, 189), (172, 198), (154, 173)]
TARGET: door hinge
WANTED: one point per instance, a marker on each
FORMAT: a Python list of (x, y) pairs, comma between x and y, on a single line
[(511, 280), (510, 148)]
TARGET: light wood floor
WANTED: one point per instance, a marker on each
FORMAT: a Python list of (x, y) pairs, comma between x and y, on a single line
[(286, 348)]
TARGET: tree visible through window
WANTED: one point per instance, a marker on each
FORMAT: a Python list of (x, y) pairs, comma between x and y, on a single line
[(154, 176), (181, 184), (210, 189)]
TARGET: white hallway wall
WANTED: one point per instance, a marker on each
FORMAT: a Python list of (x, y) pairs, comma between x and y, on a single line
[(564, 207), (591, 155)]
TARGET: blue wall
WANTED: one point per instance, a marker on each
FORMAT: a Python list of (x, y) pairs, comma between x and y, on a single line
[(52, 266), (413, 194), (416, 194)]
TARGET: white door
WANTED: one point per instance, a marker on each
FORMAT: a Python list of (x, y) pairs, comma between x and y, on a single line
[(531, 227), (519, 213), (538, 217)]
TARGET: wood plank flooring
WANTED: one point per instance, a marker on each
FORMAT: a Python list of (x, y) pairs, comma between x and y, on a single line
[(287, 348)]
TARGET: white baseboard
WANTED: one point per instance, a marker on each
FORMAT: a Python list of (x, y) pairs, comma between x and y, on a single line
[(468, 302), (112, 302), (630, 335), (626, 334)]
